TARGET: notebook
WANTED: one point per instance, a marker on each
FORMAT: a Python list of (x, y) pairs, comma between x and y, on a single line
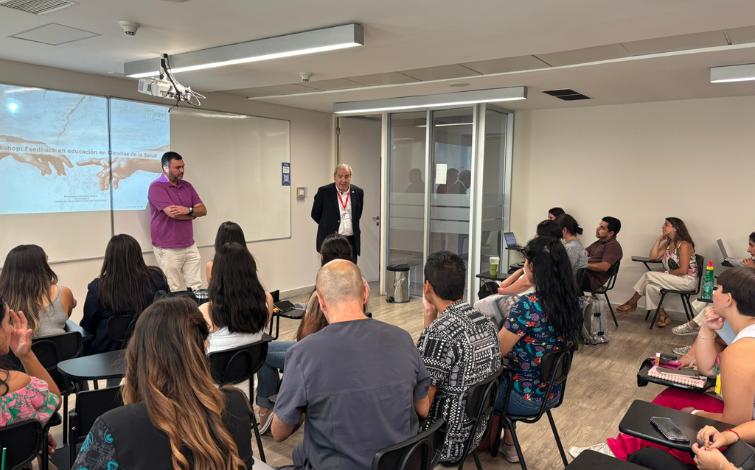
[(678, 377)]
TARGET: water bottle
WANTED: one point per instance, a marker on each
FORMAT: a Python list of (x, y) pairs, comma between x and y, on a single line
[(708, 282)]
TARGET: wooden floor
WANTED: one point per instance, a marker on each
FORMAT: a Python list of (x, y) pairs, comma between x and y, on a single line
[(601, 386)]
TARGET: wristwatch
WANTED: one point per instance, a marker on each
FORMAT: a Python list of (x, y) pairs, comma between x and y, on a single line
[(191, 210)]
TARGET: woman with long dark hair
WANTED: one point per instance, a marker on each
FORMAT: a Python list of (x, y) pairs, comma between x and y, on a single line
[(551, 318), (29, 285), (238, 313), (125, 286), (174, 416), (676, 250), (227, 232), (24, 396), (334, 246)]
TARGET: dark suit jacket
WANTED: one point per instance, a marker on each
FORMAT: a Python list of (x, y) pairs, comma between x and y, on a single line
[(325, 212)]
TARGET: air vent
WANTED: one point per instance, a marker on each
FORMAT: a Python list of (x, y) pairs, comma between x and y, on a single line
[(37, 7), (567, 94)]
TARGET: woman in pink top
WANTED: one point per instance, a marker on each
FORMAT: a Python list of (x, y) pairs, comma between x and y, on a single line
[(30, 396), (676, 251)]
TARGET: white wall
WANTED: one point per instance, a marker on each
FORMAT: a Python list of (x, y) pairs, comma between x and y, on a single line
[(288, 264), (640, 163)]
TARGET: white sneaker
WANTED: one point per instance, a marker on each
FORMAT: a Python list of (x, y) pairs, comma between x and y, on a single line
[(508, 451), (601, 448)]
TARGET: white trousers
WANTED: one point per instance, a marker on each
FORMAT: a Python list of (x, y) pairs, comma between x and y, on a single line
[(651, 283), (180, 265)]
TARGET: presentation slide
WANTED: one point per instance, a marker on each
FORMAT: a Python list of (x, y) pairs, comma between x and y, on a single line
[(56, 154)]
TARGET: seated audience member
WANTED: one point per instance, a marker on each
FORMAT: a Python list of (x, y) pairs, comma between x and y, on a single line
[(361, 382), (227, 232), (126, 286), (706, 449), (334, 246), (238, 312), (550, 318), (24, 396), (29, 285), (459, 347), (699, 307), (518, 283), (676, 250), (555, 212), (733, 301), (577, 254), (602, 254), (174, 416)]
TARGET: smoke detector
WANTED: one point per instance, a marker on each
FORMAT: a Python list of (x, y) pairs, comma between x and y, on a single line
[(129, 27)]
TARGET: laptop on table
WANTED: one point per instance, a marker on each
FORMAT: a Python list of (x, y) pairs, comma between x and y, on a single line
[(732, 261)]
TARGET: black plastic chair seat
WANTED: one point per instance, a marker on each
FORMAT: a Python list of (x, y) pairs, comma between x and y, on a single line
[(420, 452), (22, 441)]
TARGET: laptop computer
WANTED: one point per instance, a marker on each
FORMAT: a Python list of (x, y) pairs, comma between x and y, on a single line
[(732, 261), (511, 240)]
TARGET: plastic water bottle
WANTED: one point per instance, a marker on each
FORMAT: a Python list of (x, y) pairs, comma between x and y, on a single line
[(708, 282)]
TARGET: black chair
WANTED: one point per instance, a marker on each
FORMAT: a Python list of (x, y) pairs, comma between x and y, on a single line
[(481, 399), (614, 272), (554, 370), (236, 365), (50, 350), (90, 405), (120, 328), (684, 294), (23, 442), (420, 452)]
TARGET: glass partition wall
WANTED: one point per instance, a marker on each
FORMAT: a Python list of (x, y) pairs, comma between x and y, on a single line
[(448, 186)]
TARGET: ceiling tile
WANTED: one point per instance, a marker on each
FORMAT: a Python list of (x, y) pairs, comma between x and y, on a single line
[(582, 56), (741, 35), (334, 84), (54, 34), (440, 73), (391, 78), (509, 64), (677, 43), (291, 89)]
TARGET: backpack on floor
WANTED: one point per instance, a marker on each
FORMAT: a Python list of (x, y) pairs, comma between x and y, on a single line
[(595, 325)]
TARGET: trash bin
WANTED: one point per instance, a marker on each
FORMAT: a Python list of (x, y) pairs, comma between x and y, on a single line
[(398, 283)]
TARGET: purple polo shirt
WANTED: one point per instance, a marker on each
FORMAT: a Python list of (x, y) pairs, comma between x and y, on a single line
[(167, 232)]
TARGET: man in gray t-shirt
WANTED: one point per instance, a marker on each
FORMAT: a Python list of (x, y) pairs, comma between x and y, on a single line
[(360, 382)]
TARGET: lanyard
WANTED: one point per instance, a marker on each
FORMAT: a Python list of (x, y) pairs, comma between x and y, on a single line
[(344, 204)]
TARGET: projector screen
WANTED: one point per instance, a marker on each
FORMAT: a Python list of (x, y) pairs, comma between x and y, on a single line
[(75, 169)]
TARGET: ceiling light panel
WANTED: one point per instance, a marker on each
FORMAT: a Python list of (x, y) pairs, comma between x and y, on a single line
[(310, 42), (732, 73)]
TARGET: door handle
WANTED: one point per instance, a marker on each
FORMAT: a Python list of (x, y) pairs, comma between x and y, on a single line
[(377, 220)]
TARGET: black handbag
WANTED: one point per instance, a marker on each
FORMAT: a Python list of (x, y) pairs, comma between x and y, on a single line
[(740, 455), (487, 288)]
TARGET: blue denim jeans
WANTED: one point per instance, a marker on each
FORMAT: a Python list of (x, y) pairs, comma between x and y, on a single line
[(518, 406), (267, 376)]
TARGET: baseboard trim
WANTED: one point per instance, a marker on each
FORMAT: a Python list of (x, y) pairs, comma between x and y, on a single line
[(287, 294)]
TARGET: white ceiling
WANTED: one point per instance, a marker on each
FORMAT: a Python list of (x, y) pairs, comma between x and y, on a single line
[(407, 36)]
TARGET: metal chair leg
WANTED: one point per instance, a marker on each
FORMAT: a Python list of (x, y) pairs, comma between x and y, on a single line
[(497, 442), (65, 419), (477, 460), (558, 439), (519, 452), (611, 309), (258, 437), (657, 310)]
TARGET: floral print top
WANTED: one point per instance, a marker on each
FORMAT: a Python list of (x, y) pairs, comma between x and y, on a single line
[(528, 320), (33, 402)]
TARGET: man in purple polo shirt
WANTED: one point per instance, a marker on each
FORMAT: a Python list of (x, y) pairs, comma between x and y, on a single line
[(173, 204)]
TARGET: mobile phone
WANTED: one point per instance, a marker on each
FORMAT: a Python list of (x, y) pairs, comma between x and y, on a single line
[(668, 429)]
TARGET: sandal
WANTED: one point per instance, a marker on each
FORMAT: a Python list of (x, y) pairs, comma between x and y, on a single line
[(692, 363), (627, 308), (663, 322)]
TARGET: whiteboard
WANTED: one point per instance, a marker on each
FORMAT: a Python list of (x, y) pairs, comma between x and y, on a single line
[(235, 164)]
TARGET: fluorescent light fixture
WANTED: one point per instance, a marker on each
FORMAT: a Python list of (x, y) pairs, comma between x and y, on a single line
[(21, 90), (310, 42), (732, 73), (449, 125), (432, 101)]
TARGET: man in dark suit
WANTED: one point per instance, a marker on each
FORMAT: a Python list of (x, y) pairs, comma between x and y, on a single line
[(338, 208)]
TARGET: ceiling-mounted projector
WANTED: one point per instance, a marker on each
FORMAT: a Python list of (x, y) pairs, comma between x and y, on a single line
[(166, 86)]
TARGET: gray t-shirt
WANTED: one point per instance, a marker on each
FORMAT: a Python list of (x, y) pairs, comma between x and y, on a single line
[(357, 382), (577, 256)]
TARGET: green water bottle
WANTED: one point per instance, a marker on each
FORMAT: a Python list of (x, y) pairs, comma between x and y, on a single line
[(708, 282)]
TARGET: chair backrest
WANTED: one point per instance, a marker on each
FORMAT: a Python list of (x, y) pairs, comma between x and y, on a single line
[(50, 350), (275, 294), (120, 328), (22, 441), (236, 365), (614, 271), (700, 260), (579, 277), (90, 405), (419, 452)]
